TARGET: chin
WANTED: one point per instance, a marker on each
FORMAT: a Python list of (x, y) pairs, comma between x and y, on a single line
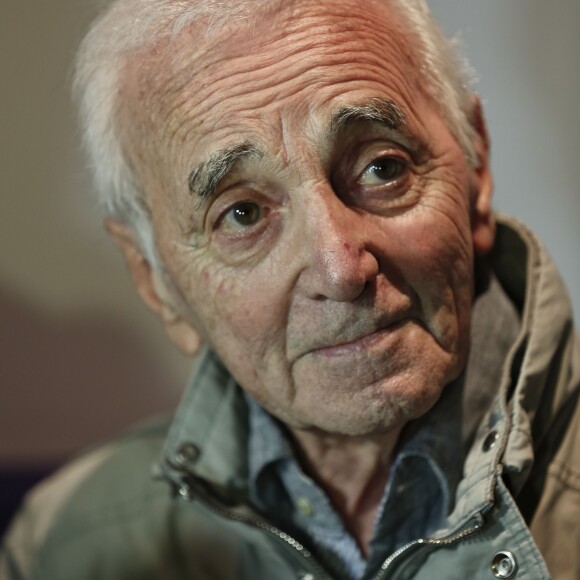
[(380, 408)]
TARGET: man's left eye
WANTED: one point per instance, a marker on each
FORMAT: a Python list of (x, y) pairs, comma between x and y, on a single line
[(383, 170)]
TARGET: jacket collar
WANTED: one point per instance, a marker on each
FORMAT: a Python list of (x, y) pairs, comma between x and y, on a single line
[(536, 382), (208, 436)]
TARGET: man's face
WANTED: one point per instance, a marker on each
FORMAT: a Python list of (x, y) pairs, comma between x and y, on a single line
[(325, 250)]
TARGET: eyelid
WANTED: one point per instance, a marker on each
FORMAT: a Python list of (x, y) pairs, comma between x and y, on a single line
[(367, 151)]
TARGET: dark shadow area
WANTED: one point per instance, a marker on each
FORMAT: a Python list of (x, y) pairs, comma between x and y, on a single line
[(14, 484)]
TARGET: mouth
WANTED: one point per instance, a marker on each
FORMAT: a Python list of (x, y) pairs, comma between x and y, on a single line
[(361, 343)]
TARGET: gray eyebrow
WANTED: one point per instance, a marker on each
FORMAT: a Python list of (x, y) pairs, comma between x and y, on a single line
[(376, 110), (205, 178)]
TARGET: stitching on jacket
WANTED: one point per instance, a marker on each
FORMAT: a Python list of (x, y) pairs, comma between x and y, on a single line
[(565, 475)]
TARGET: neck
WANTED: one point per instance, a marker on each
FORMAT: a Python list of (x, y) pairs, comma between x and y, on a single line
[(352, 471)]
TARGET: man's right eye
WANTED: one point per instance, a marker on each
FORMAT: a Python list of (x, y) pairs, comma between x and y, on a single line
[(241, 216)]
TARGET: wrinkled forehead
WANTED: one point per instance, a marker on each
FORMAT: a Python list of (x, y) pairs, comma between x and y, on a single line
[(292, 56), (286, 41)]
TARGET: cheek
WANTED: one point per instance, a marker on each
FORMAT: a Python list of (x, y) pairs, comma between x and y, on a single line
[(439, 259), (438, 266), (236, 311), (432, 246), (245, 324)]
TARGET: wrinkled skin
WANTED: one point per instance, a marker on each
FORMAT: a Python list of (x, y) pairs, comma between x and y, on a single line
[(339, 292)]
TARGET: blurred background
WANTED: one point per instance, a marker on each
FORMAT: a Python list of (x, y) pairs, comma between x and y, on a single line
[(80, 358)]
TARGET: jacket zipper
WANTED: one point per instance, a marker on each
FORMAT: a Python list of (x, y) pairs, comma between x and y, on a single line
[(190, 489), (433, 542)]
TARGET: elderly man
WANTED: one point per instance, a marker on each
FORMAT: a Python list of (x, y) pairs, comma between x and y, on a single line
[(388, 379)]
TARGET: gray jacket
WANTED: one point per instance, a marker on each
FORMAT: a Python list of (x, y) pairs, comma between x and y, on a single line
[(517, 509)]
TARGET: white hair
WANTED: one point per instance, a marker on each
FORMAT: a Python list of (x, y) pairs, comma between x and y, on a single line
[(130, 25)]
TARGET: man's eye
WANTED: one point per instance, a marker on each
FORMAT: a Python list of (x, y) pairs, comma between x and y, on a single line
[(382, 170), (242, 215)]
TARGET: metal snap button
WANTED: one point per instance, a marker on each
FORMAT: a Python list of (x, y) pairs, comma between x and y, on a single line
[(504, 565), (187, 454), (185, 491), (490, 440)]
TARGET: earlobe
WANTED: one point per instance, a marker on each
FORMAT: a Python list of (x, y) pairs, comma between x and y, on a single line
[(138, 267), (482, 220), (177, 328), (184, 337), (152, 289)]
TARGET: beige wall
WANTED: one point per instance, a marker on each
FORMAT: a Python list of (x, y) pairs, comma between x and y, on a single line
[(526, 56), (79, 356)]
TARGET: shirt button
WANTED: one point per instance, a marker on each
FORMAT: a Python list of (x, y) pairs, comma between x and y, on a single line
[(306, 576), (490, 440), (504, 565), (304, 506)]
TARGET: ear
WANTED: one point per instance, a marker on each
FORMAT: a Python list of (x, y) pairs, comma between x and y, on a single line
[(153, 290), (481, 188)]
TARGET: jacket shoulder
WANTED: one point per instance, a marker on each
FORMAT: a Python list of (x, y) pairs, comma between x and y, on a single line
[(101, 489), (555, 523)]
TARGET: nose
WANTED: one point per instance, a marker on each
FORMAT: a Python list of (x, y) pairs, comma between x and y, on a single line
[(338, 260)]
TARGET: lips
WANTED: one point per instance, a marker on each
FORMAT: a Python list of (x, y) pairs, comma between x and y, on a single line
[(360, 343), (354, 336)]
